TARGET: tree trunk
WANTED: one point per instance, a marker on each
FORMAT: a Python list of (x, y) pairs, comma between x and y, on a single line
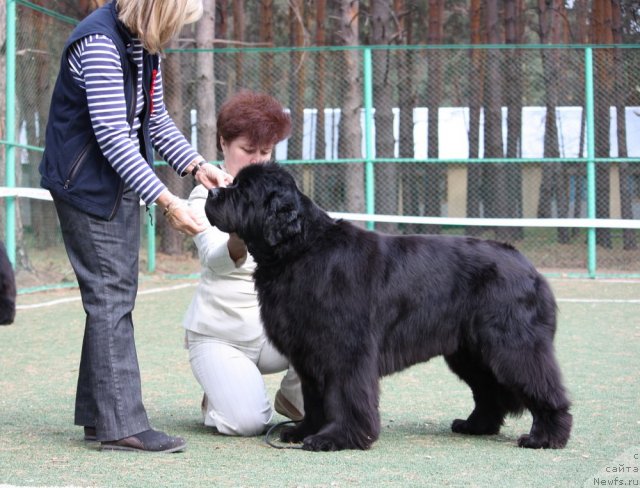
[(603, 73), (495, 178), (172, 241), (513, 95), (350, 138), (475, 171), (555, 176), (225, 66), (382, 28), (434, 173), (580, 36), (238, 35), (296, 90), (629, 240), (328, 174), (266, 37), (405, 67), (205, 83), (581, 31)]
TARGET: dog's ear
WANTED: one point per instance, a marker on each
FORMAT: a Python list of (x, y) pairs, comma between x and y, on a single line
[(282, 220)]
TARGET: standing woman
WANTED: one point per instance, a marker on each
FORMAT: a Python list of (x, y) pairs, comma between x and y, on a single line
[(106, 117)]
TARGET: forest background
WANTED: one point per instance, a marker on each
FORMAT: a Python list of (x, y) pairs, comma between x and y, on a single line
[(235, 27)]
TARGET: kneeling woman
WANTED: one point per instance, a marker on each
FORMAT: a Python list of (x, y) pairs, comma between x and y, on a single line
[(228, 349)]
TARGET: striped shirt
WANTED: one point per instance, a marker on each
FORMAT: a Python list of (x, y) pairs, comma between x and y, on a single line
[(95, 65)]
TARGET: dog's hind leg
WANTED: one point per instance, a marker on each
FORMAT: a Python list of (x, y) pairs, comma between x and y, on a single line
[(551, 428), (539, 383), (492, 400)]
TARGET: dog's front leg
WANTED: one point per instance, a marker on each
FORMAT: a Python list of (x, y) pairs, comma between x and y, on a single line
[(351, 409), (314, 417)]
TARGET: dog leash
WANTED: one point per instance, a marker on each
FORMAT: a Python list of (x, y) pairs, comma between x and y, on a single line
[(277, 426)]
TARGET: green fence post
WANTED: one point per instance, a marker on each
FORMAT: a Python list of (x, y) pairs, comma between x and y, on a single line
[(591, 165), (10, 150), (369, 177)]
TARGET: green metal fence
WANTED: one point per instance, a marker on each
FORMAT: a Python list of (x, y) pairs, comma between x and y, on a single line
[(536, 145)]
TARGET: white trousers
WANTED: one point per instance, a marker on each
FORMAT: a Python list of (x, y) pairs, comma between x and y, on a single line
[(231, 376)]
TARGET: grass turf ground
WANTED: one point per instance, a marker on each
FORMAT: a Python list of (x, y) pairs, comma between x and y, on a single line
[(598, 344)]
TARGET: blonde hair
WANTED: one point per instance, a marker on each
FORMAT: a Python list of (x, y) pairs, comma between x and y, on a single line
[(156, 22)]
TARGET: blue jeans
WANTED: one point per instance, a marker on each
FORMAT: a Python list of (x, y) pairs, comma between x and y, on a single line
[(104, 256)]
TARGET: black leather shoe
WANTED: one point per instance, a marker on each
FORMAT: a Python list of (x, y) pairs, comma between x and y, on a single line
[(90, 434), (147, 441)]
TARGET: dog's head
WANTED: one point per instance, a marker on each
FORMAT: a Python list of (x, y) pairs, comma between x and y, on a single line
[(265, 208)]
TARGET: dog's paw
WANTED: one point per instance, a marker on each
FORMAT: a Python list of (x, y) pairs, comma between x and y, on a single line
[(291, 435), (533, 442), (530, 442), (321, 443), (460, 426)]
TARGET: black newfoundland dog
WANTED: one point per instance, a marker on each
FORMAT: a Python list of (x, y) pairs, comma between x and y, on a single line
[(7, 289), (348, 306)]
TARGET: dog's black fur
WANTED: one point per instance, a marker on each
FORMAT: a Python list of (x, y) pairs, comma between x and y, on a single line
[(7, 289), (347, 306)]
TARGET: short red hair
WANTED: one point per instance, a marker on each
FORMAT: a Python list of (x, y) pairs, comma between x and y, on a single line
[(257, 116)]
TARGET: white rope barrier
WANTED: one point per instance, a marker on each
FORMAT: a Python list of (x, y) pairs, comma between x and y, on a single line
[(34, 193), (41, 194), (490, 222)]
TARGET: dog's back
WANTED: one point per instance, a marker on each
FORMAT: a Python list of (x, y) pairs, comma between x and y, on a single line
[(434, 292)]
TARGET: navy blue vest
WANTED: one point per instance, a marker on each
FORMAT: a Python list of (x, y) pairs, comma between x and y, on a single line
[(73, 167)]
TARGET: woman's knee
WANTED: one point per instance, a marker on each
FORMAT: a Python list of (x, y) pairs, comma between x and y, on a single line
[(246, 426)]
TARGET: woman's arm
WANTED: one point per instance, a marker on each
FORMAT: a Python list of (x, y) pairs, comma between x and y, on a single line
[(213, 245), (95, 65), (174, 147), (165, 136)]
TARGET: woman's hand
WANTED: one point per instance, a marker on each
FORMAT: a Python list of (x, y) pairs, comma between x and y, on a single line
[(179, 215), (182, 218), (211, 176), (237, 249)]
